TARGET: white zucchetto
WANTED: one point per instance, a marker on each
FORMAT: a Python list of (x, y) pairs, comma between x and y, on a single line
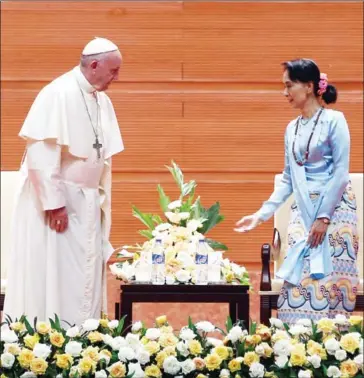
[(99, 46)]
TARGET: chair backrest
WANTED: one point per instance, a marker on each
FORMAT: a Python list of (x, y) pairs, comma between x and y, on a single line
[(9, 185), (281, 219)]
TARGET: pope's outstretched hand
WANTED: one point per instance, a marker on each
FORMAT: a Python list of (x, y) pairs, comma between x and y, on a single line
[(247, 223)]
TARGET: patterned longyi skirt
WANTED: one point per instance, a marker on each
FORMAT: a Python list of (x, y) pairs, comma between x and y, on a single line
[(334, 294)]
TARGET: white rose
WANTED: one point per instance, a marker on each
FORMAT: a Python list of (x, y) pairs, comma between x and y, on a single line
[(170, 280), (153, 333), (361, 346), (118, 342), (193, 225), (74, 348), (188, 366), (42, 350), (8, 336), (341, 319), (107, 339), (332, 345), (182, 348), (136, 369), (304, 374), (143, 356), (282, 347), (183, 276), (340, 355), (359, 361), (315, 360), (277, 323), (73, 332), (298, 329), (90, 325), (213, 341), (125, 354), (137, 326), (205, 326), (224, 373), (133, 341), (101, 374), (59, 376), (333, 372), (184, 215), (235, 334), (186, 259), (174, 205), (281, 361), (163, 227), (259, 350), (256, 370), (7, 360), (113, 324), (304, 322), (173, 217), (171, 365), (15, 348), (28, 374), (187, 334)]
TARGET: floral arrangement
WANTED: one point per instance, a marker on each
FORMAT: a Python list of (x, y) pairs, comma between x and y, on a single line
[(102, 348), (186, 222)]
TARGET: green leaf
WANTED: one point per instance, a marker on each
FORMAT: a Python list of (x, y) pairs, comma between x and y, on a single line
[(146, 219), (213, 218), (187, 188), (177, 175), (58, 323), (146, 233), (216, 245), (157, 219), (164, 201), (28, 327), (229, 323), (241, 349), (120, 327), (253, 328)]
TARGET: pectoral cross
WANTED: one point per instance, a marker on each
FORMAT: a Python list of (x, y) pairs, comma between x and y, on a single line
[(97, 146)]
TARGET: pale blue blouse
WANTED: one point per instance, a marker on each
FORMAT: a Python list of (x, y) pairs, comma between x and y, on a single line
[(327, 167), (325, 173)]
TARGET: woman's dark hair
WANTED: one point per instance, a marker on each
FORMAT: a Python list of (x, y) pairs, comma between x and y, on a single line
[(306, 70)]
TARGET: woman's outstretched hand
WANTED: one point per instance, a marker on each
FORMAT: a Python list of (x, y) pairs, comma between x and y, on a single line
[(247, 223)]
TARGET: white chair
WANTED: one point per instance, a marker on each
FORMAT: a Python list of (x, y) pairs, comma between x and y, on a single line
[(9, 186), (270, 288)]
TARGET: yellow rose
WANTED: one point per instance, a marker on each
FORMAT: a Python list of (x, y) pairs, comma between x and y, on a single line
[(213, 361), (355, 320), (17, 327), (43, 328), (326, 325), (234, 365), (298, 357), (170, 351), (201, 376), (152, 347), (92, 353), (25, 357), (252, 340), (264, 333), (166, 329), (195, 347), (117, 370), (104, 323), (315, 348), (105, 354), (349, 368), (144, 340), (57, 339), (13, 349), (38, 366), (64, 361), (86, 365), (250, 358), (229, 277), (222, 351), (267, 350), (31, 340), (94, 337), (160, 357), (349, 343), (153, 371), (161, 321), (168, 339)]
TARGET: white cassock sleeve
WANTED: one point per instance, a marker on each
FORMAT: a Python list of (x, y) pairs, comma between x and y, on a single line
[(44, 161)]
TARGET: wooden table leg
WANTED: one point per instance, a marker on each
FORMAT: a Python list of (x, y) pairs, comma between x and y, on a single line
[(232, 312), (243, 309), (126, 308)]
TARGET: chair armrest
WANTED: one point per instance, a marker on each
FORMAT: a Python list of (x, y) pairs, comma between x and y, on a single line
[(265, 281)]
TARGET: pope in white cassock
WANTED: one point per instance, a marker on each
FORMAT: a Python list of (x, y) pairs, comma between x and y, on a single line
[(62, 215)]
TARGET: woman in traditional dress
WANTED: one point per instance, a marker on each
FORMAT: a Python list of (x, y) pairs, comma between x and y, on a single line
[(319, 271)]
